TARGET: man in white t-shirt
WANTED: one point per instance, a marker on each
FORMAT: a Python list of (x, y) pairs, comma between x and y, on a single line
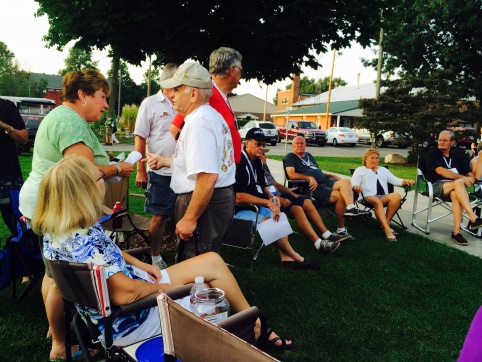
[(203, 166), (152, 135)]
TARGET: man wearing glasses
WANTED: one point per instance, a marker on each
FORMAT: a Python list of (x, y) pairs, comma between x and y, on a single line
[(450, 174), (226, 70), (251, 189), (203, 168)]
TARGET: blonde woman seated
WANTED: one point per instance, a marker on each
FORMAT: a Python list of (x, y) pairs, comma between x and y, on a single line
[(69, 204), (372, 181)]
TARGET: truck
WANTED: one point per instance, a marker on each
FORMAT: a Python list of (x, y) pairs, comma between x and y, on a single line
[(33, 111), (306, 129)]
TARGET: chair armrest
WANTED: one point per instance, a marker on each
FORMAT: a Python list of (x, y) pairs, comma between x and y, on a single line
[(144, 303), (136, 195), (179, 292), (252, 207)]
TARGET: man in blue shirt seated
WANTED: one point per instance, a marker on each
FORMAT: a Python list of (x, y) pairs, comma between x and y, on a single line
[(327, 188)]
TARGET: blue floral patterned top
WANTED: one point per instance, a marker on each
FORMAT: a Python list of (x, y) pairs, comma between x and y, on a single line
[(92, 245)]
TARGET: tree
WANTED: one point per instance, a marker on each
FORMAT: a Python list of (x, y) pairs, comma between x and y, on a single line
[(422, 36), (416, 108), (6, 59), (78, 59), (261, 30)]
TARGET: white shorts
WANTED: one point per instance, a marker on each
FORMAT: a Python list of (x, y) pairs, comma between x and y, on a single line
[(152, 325)]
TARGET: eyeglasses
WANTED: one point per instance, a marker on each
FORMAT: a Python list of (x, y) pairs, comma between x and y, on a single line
[(259, 144), (102, 175), (239, 68)]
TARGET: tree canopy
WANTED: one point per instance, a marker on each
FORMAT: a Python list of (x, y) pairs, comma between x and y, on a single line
[(417, 107), (424, 36), (274, 37), (78, 59)]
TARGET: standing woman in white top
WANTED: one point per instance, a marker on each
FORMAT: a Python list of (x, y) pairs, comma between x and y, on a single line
[(372, 181)]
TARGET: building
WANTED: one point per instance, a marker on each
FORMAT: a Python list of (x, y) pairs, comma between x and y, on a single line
[(54, 85), (342, 108), (286, 98), (249, 107)]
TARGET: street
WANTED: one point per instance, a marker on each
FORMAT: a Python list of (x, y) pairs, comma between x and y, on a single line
[(338, 151)]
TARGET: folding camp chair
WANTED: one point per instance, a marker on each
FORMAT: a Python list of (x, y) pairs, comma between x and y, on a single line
[(425, 188), (191, 338), (85, 284), (242, 233), (368, 206), (132, 224), (26, 256)]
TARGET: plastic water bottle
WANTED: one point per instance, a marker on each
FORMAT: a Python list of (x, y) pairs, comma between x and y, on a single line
[(198, 285), (117, 222)]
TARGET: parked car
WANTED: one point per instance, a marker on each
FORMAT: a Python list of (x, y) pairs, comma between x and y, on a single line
[(33, 111), (306, 129), (341, 135), (269, 129), (382, 139), (465, 136)]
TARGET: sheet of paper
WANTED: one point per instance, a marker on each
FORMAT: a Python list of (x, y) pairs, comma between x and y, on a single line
[(270, 230), (140, 274), (133, 157)]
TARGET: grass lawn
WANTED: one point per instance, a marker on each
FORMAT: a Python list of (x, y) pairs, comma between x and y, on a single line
[(412, 300)]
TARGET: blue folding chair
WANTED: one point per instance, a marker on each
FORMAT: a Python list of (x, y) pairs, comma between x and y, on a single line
[(26, 254)]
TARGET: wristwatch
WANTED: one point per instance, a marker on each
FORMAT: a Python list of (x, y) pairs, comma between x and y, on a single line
[(116, 164), (10, 130)]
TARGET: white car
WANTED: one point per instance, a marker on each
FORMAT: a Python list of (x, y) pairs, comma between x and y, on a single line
[(269, 129), (341, 135)]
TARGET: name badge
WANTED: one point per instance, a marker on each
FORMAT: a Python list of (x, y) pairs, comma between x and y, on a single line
[(272, 189), (454, 170), (260, 190)]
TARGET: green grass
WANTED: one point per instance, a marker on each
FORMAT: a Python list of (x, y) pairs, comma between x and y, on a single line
[(412, 300)]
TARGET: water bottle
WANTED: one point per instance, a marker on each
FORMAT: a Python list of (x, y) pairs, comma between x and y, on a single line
[(198, 285), (117, 222)]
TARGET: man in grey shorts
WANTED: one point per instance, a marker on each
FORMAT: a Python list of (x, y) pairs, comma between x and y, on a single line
[(451, 174), (152, 135)]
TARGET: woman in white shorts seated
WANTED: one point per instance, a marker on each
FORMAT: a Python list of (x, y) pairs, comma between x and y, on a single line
[(70, 203)]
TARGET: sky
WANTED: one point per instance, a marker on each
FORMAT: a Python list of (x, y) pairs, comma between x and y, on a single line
[(22, 32)]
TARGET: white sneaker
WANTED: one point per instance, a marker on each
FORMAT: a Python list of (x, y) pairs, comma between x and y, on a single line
[(160, 263)]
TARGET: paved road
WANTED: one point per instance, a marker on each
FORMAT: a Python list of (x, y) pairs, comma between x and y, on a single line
[(339, 151)]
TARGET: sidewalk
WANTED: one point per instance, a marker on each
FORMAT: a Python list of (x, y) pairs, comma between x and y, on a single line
[(440, 230)]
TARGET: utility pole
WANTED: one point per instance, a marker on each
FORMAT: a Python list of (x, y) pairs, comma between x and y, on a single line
[(329, 91), (379, 71), (149, 78)]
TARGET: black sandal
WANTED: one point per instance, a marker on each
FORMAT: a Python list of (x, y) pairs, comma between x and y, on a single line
[(263, 343)]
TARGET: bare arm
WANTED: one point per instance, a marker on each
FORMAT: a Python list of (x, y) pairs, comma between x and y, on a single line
[(245, 198), (477, 166), (18, 135), (293, 175), (141, 177), (81, 149), (201, 196), (447, 174)]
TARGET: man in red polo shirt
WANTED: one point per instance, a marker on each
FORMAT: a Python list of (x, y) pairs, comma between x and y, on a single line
[(225, 69)]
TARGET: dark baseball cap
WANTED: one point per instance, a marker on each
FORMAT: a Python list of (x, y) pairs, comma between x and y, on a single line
[(255, 134)]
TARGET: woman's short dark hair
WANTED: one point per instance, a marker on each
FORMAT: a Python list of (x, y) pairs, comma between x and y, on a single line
[(89, 81)]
